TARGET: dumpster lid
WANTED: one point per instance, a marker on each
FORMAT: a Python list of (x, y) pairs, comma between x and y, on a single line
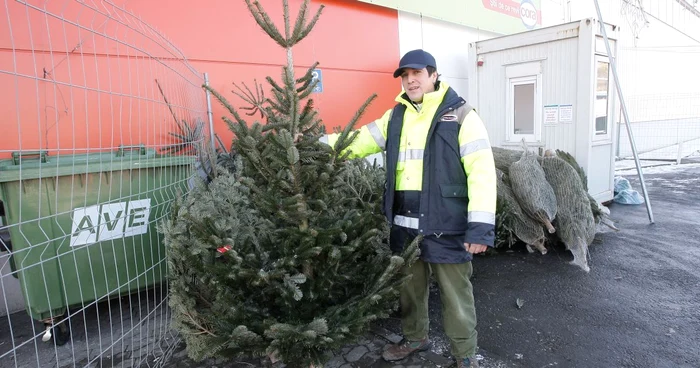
[(39, 164)]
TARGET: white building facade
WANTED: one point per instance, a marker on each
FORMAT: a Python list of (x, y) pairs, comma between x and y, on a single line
[(658, 61)]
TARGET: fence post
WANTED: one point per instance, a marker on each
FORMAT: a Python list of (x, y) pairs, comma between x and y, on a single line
[(210, 114), (619, 127)]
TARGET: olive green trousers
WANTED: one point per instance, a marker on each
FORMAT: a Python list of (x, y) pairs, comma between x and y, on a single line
[(458, 311)]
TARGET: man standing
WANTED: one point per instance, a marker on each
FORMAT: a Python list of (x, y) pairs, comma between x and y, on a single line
[(441, 184)]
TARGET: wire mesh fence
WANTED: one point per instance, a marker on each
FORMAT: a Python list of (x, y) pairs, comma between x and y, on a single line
[(102, 122), (662, 96), (665, 127)]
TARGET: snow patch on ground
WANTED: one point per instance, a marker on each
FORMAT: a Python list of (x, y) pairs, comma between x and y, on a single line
[(687, 181), (630, 164), (668, 168)]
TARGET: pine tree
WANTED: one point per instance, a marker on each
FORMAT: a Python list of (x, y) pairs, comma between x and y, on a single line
[(285, 255)]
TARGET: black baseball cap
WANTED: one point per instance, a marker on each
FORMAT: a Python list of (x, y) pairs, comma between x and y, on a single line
[(416, 59)]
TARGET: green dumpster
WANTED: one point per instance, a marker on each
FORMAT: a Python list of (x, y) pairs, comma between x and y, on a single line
[(83, 227)]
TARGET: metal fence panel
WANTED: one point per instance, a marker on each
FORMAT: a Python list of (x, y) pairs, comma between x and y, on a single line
[(665, 126), (102, 121)]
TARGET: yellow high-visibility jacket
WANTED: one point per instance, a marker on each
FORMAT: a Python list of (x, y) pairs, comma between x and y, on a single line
[(452, 158)]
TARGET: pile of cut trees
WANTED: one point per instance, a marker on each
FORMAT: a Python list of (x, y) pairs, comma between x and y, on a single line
[(543, 200)]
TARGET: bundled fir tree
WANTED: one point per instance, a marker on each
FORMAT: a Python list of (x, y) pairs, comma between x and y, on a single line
[(284, 255), (575, 220), (532, 190)]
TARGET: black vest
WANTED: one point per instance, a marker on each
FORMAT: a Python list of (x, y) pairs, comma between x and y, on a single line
[(443, 199)]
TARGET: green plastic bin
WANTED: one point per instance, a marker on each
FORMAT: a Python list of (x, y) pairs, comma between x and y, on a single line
[(83, 228)]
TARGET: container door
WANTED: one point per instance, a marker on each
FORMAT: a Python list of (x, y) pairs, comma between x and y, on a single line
[(600, 177)]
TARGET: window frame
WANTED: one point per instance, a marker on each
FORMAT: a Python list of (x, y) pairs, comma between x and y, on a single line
[(597, 136), (523, 74)]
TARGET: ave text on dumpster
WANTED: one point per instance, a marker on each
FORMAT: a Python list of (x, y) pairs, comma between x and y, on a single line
[(109, 221)]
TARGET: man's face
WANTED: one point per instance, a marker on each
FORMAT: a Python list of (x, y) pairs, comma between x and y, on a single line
[(417, 82)]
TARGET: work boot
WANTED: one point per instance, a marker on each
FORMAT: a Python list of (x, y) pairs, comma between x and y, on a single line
[(470, 362), (404, 349)]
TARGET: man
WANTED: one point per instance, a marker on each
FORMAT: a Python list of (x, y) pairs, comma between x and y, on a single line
[(441, 184)]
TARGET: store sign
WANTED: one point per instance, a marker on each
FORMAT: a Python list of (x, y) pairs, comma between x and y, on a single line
[(498, 16), (529, 14)]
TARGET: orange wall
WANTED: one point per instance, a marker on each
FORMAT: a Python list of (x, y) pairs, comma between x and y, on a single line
[(356, 44), (89, 85)]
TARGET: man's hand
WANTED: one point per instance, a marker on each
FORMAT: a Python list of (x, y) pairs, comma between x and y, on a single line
[(475, 248)]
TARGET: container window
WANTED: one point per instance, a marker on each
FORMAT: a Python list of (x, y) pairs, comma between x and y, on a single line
[(524, 108), (601, 98)]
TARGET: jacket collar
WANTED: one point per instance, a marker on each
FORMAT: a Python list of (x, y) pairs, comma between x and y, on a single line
[(431, 101)]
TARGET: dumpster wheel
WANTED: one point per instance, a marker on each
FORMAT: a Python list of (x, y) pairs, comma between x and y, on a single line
[(60, 332)]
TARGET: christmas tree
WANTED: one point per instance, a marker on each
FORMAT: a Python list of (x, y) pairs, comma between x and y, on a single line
[(284, 254)]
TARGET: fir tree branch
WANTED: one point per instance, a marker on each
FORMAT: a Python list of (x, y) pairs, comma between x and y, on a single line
[(282, 140), (233, 126), (309, 73), (278, 107), (194, 322), (293, 97), (274, 126), (311, 25), (273, 115), (308, 90), (168, 103), (288, 77), (275, 85), (307, 80), (180, 137), (227, 105), (306, 85), (265, 22), (256, 101), (298, 188), (360, 111), (343, 152), (261, 169), (315, 127), (294, 114), (308, 112), (281, 104), (343, 141), (301, 19), (285, 7), (246, 95)]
